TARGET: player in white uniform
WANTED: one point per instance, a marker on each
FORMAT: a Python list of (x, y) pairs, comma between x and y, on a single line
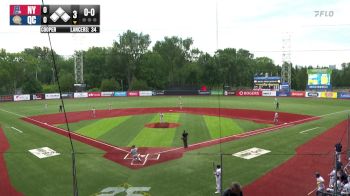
[(320, 184), (217, 174), (180, 102), (135, 155), (332, 177), (93, 112), (275, 118), (161, 116)]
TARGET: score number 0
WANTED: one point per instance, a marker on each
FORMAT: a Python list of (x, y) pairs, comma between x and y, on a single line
[(91, 12)]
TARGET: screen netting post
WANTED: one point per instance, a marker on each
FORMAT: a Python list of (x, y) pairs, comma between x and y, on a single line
[(348, 138)]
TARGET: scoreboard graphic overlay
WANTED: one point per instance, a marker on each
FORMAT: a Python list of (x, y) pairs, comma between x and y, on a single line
[(58, 18)]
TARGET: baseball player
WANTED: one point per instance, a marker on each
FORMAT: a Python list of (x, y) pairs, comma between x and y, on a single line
[(217, 174), (93, 112), (275, 118), (135, 155)]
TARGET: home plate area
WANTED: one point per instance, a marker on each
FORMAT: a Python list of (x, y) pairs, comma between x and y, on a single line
[(144, 158)]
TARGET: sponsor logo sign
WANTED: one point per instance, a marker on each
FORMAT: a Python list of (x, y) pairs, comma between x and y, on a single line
[(158, 93), (344, 95), (251, 153), (107, 94), (44, 152), (21, 97), (269, 93), (81, 95), (6, 98), (204, 92), (120, 94), (38, 96), (226, 93), (297, 93), (283, 94), (248, 93), (52, 96), (145, 93), (67, 95), (133, 93), (329, 95), (312, 94), (94, 94)]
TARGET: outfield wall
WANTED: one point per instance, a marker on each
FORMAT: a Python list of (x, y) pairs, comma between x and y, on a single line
[(80, 95)]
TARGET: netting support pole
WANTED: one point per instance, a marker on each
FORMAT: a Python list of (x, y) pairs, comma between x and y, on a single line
[(222, 172)]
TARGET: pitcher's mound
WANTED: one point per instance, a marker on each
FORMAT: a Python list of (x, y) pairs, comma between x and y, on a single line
[(162, 125)]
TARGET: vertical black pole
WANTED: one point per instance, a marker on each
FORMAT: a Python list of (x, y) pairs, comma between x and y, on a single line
[(336, 176), (222, 171), (348, 148)]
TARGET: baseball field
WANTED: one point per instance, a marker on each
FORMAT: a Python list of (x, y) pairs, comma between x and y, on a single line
[(219, 127)]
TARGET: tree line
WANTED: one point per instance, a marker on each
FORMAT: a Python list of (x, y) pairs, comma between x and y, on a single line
[(131, 64)]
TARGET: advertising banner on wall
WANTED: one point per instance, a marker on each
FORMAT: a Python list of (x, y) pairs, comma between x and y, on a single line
[(67, 95), (248, 93), (297, 93), (4, 98), (81, 95), (283, 94), (94, 94), (52, 96), (228, 93), (329, 95), (312, 94), (145, 93), (269, 93), (159, 92), (107, 94), (38, 96), (25, 97), (133, 93), (200, 92), (120, 94), (344, 95)]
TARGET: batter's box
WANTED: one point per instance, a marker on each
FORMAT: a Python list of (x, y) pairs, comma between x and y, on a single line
[(154, 156), (143, 161), (128, 156)]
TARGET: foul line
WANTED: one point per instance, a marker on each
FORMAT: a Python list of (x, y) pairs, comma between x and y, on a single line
[(309, 130), (14, 128), (73, 133)]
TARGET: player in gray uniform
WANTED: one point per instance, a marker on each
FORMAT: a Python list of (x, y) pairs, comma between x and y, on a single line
[(135, 155)]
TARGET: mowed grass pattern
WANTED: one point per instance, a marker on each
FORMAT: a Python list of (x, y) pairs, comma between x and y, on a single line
[(221, 127), (150, 137), (131, 130), (101, 127)]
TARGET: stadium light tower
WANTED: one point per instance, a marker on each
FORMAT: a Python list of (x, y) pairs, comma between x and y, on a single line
[(79, 69), (286, 73)]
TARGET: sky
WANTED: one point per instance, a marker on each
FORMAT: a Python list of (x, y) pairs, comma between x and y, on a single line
[(255, 25)]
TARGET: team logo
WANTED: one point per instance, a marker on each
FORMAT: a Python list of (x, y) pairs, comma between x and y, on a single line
[(17, 20), (17, 10)]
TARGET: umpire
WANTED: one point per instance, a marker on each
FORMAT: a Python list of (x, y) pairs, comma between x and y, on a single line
[(184, 138)]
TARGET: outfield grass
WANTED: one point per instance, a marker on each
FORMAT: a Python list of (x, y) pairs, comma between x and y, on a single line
[(191, 175)]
